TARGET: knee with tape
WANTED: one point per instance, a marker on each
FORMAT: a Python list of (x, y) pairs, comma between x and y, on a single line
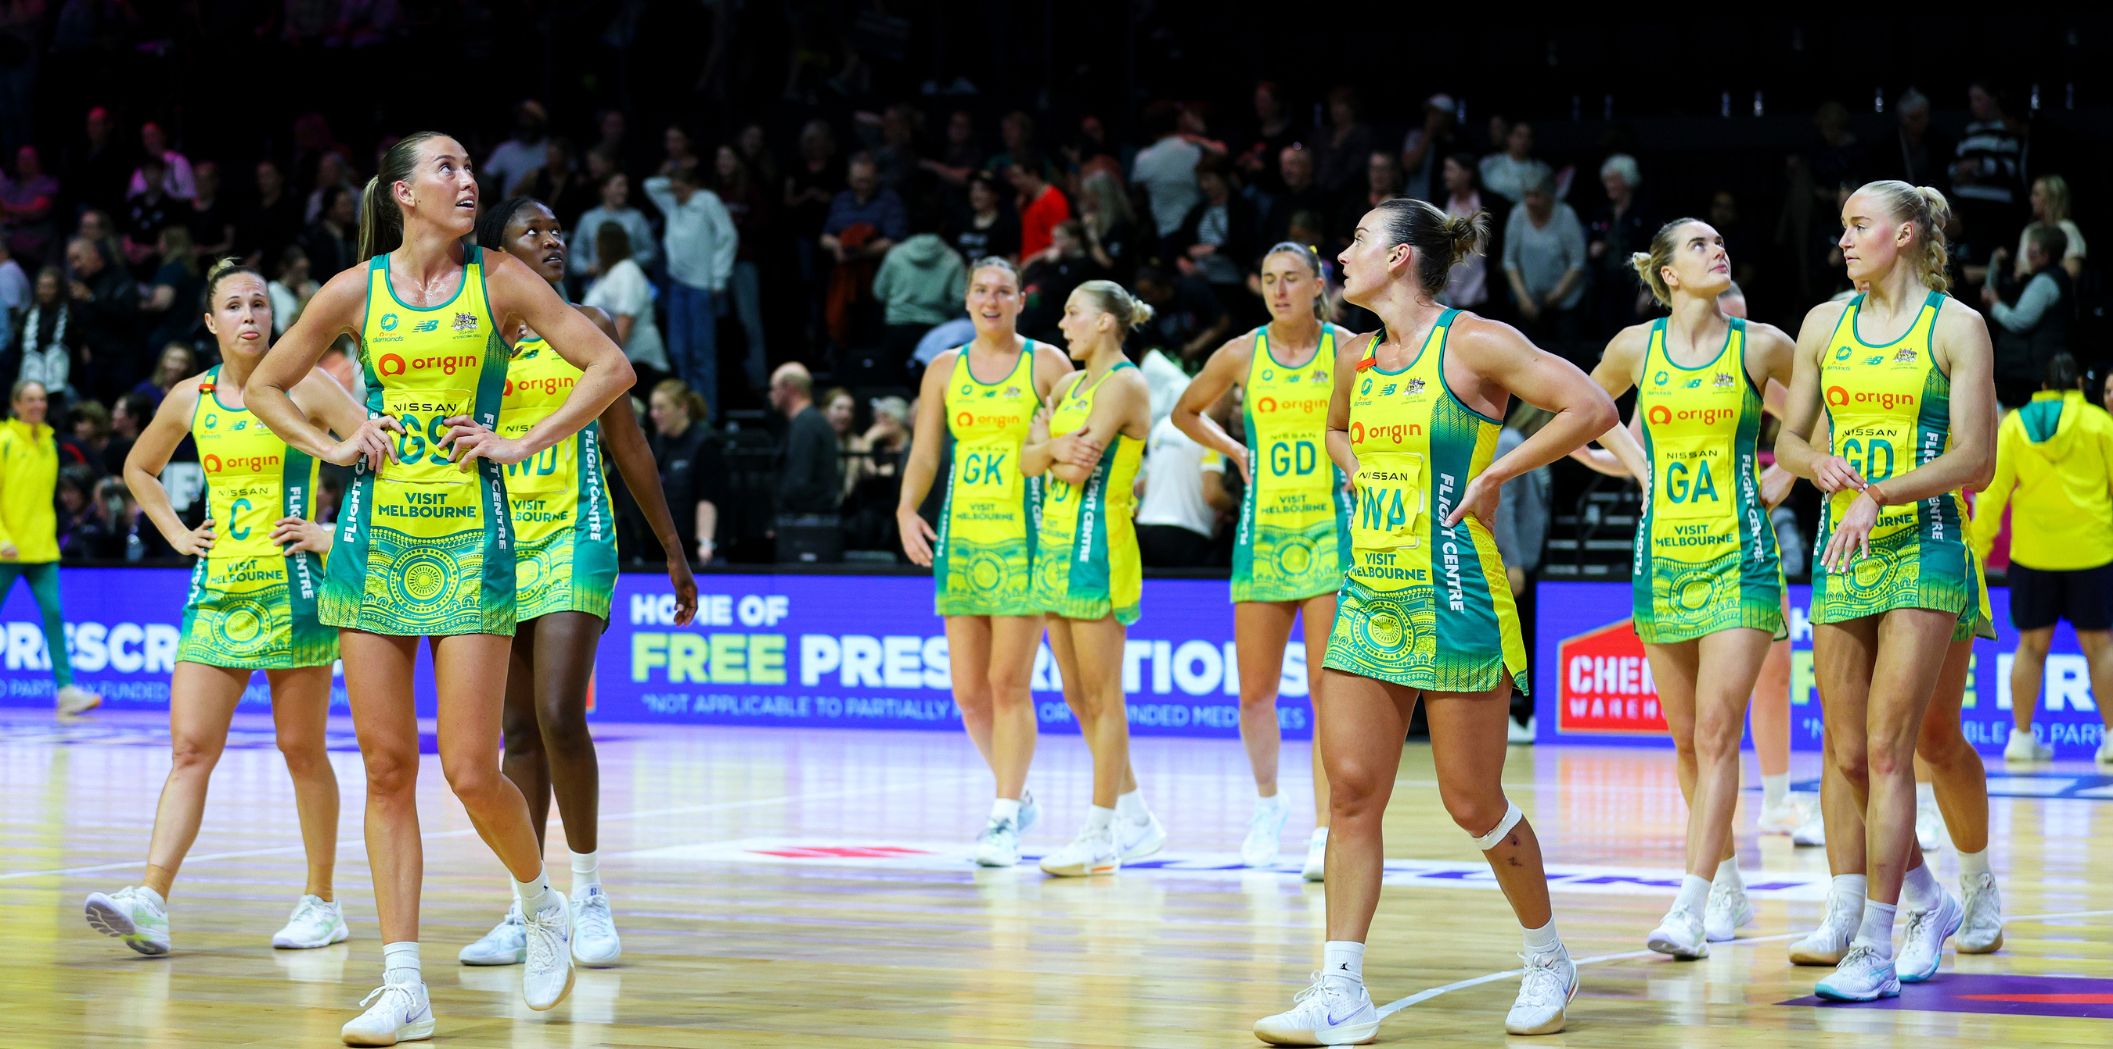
[(1511, 819)]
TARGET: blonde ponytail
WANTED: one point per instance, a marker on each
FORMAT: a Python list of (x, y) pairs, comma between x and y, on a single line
[(1116, 301), (1928, 212), (1650, 264), (381, 221)]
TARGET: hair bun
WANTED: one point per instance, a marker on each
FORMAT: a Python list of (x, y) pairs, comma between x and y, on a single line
[(1140, 313), (1467, 234)]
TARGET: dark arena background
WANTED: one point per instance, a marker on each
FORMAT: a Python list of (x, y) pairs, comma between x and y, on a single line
[(783, 211)]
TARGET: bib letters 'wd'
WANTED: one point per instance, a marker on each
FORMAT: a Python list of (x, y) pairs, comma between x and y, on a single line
[(427, 549), (1424, 606), (564, 534), (1706, 555), (1086, 564), (1294, 537), (252, 606)]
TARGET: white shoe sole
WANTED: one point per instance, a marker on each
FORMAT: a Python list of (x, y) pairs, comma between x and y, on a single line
[(110, 921), (1802, 955), (1082, 870), (1965, 946), (1554, 1024), (598, 963), (1829, 992), (519, 957), (1745, 918), (415, 1031), (1345, 1034), (74, 710), (572, 973), (288, 943), (1666, 945)]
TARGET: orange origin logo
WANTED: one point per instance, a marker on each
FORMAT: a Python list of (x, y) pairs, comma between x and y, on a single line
[(251, 463), (1883, 400), (1660, 415), (445, 364)]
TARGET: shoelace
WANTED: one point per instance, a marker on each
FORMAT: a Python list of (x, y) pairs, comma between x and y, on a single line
[(385, 989), (1543, 982), (1918, 921), (542, 939), (594, 910), (996, 828), (1311, 990), (1859, 959)]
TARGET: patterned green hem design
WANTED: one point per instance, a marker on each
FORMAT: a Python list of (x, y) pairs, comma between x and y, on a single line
[(1696, 600), (1392, 636), (985, 579), (1307, 563), (255, 629), (1901, 572), (1091, 608), (560, 575)]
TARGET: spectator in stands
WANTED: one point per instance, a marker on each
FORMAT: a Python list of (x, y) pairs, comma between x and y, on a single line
[(1988, 169), (1275, 131), (864, 202), (272, 220), (291, 288), (1187, 320), (921, 283), (1217, 240), (46, 341), (749, 208), (29, 205), (176, 363), (1166, 170), (611, 140), (106, 305), (1425, 149), (558, 181), (1508, 174), (1049, 279), (517, 156), (1619, 230), (1345, 145), (88, 437), (1544, 261), (99, 169), (990, 228), (622, 290), (14, 301), (841, 410), (174, 175), (1043, 207), (2056, 455), (810, 186), (1297, 193), (1381, 181), (1016, 134), (95, 226), (83, 523), (615, 207), (692, 469), (755, 152), (1109, 226), (2050, 209), (960, 158), (331, 172), (212, 217), (332, 241), (2031, 332), (886, 440), (700, 245), (174, 305), (1091, 151), (1912, 153), (810, 479), (1467, 284), (894, 147), (147, 213), (1184, 493), (128, 416)]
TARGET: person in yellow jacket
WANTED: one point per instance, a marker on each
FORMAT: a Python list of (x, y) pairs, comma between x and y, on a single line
[(29, 530), (2054, 466)]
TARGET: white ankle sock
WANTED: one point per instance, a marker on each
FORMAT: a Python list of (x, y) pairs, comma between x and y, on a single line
[(533, 894), (1848, 885), (400, 963), (1775, 789), (1925, 794), (1728, 873), (1131, 806), (1005, 809), (1918, 889), (1343, 960), (1543, 940), (1972, 863), (1099, 819), (586, 872), (1694, 894), (1876, 932)]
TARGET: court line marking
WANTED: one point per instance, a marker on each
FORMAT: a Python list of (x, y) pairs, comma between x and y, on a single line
[(1398, 1005), (358, 844)]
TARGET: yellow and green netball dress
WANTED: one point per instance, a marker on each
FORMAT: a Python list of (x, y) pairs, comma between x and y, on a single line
[(252, 606), (1706, 554), (564, 537), (1086, 564), (1888, 411), (427, 549), (1424, 605), (1294, 537), (984, 559)]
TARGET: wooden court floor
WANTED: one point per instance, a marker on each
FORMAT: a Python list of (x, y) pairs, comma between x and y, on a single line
[(797, 888)]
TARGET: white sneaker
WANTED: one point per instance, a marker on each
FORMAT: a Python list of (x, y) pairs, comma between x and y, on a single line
[(1923, 947), (1981, 932), (1783, 817), (1316, 856), (2105, 749), (1519, 735), (999, 844), (315, 923), (1728, 911), (74, 701), (1827, 944), (1812, 833), (506, 944), (1544, 994), (396, 1012), (1089, 853), (1930, 832), (1264, 830), (1862, 976), (2026, 748), (547, 979), (132, 916), (594, 941), (1679, 935), (1139, 838), (1029, 812), (1330, 1012)]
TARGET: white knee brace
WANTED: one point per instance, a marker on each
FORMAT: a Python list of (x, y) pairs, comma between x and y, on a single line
[(1511, 819)]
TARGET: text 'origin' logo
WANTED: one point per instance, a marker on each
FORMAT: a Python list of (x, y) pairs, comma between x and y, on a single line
[(1883, 400), (445, 364)]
